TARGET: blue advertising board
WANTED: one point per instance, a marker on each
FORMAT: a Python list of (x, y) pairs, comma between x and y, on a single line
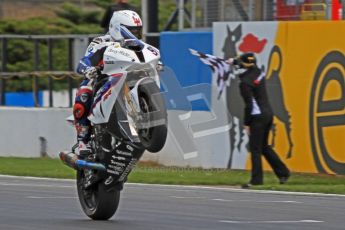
[(191, 74)]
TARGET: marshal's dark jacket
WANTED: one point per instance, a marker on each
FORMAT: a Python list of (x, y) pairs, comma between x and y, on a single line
[(253, 91)]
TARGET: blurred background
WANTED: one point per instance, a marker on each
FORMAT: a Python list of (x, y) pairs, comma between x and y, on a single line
[(41, 42), (66, 27)]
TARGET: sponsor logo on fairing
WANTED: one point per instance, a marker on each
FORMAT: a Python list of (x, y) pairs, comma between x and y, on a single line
[(118, 158), (121, 52), (123, 153), (113, 172), (130, 148), (117, 163), (116, 168), (129, 167), (109, 180), (153, 50)]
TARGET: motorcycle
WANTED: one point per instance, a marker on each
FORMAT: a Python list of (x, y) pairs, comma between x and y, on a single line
[(128, 116)]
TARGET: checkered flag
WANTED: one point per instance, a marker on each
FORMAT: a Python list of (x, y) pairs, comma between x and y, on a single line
[(220, 68)]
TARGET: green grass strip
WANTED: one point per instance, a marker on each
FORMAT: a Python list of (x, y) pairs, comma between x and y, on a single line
[(145, 173)]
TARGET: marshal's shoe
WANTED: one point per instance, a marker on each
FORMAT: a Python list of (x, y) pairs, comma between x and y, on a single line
[(249, 185), (283, 179)]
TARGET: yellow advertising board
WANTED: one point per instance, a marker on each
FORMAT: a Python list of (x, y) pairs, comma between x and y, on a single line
[(305, 77), (313, 78)]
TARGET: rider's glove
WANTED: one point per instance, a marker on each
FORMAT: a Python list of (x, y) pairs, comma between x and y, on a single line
[(91, 72), (230, 60), (233, 61)]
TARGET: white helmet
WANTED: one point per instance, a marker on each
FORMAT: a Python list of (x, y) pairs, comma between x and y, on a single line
[(128, 18)]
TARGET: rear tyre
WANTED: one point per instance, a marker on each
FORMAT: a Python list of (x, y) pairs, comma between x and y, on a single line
[(97, 203), (151, 101)]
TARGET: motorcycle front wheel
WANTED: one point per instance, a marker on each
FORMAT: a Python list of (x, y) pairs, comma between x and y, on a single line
[(97, 202), (150, 100)]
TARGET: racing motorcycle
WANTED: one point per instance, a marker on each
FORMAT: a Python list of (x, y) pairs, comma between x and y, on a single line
[(128, 116)]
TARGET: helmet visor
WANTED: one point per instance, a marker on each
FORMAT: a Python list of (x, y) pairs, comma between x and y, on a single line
[(136, 31)]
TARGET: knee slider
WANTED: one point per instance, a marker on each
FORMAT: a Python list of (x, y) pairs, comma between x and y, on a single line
[(82, 103), (79, 110), (84, 95)]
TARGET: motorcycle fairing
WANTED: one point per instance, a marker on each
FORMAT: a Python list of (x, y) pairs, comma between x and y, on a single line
[(120, 162), (105, 99)]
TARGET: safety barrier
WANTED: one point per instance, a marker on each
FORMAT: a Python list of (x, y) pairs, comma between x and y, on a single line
[(75, 48), (304, 64)]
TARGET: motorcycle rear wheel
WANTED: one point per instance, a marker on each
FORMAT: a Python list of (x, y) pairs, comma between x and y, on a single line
[(97, 202), (153, 138)]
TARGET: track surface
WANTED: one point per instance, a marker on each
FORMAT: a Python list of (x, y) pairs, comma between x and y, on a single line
[(32, 204)]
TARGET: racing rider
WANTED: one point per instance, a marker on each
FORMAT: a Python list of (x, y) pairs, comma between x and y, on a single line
[(123, 24)]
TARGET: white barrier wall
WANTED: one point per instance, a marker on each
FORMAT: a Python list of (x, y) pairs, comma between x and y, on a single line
[(21, 129), (191, 145)]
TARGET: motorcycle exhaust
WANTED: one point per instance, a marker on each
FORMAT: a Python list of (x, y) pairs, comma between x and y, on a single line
[(71, 160)]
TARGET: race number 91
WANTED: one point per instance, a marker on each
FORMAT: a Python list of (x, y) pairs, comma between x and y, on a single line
[(327, 114)]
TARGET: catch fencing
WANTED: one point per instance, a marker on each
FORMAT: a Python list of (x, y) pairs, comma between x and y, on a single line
[(196, 14), (75, 45)]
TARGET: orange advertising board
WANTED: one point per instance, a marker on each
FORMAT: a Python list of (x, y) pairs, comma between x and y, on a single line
[(313, 77), (305, 77)]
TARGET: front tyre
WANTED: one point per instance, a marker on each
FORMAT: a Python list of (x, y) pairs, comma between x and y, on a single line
[(97, 203), (152, 104)]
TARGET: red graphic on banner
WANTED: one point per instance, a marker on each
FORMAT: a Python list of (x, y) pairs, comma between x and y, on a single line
[(252, 44), (137, 21), (336, 10)]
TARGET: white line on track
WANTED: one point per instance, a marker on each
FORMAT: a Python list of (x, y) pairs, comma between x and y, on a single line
[(235, 190), (261, 201), (36, 185), (270, 221), (51, 197), (179, 187), (186, 197), (34, 178), (251, 201)]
